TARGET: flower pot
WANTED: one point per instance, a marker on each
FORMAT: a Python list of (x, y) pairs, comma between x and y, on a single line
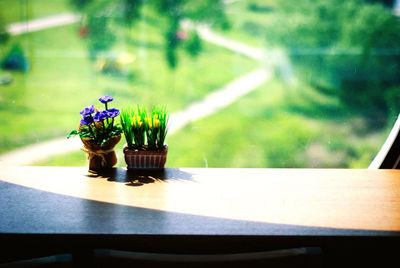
[(145, 159), (101, 157)]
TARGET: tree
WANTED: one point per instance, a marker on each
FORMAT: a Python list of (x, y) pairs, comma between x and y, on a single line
[(4, 35), (104, 18), (387, 3), (80, 4), (206, 11), (348, 45), (15, 59)]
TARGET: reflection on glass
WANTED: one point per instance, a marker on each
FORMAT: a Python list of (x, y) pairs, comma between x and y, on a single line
[(248, 83)]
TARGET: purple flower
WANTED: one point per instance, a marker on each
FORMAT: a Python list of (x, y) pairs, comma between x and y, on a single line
[(87, 111), (87, 120), (100, 116), (106, 99), (113, 112)]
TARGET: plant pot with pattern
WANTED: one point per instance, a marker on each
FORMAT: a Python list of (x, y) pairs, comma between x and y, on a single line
[(99, 134), (145, 134)]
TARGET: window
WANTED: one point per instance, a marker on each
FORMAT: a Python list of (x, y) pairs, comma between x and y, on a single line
[(249, 83)]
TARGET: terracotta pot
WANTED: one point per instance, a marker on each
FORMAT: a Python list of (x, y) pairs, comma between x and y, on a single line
[(145, 159), (101, 157)]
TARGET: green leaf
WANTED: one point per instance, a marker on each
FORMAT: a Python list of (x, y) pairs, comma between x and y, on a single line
[(73, 133)]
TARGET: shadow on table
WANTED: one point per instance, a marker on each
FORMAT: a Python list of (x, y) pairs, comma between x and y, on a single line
[(137, 178)]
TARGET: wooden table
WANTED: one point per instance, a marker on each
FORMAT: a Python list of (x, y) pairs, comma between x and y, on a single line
[(200, 210)]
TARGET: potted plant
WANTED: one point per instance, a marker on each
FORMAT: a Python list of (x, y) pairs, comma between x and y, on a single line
[(99, 134), (145, 134)]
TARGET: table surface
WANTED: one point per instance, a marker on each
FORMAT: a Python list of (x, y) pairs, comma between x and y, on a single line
[(195, 201)]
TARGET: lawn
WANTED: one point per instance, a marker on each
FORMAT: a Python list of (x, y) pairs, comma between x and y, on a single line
[(268, 129), (249, 21), (20, 10), (45, 102)]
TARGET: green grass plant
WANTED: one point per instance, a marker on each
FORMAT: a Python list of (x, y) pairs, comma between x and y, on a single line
[(127, 116), (145, 130), (156, 125)]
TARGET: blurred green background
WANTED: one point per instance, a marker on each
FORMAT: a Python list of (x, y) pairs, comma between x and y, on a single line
[(331, 102)]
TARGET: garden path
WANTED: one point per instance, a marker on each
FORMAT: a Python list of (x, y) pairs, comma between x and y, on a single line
[(42, 23), (215, 101)]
